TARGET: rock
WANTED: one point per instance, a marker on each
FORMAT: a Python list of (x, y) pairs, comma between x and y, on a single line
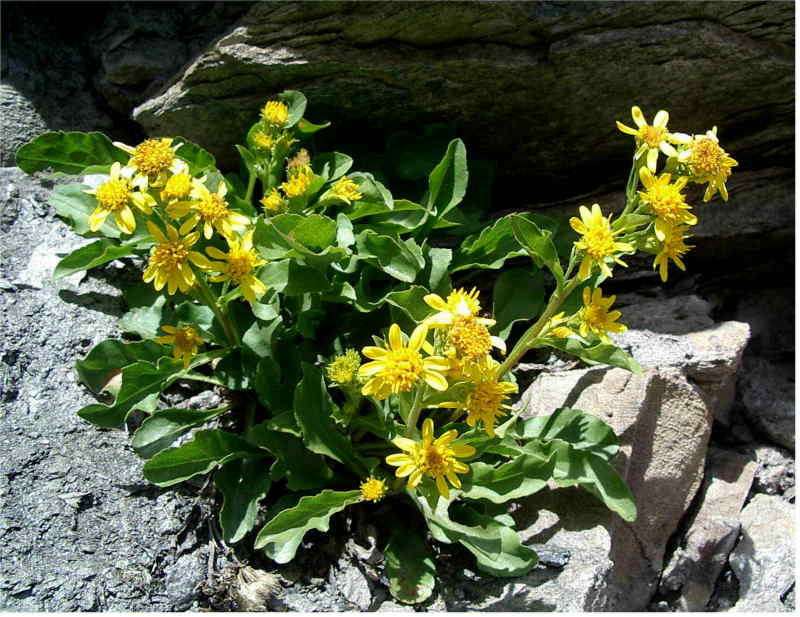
[(19, 123), (712, 530), (764, 558), (390, 606), (770, 313), (676, 316), (768, 396), (181, 580), (351, 583), (479, 65), (775, 472), (82, 530)]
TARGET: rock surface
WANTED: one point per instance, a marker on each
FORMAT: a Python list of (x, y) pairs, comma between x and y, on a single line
[(768, 396), (775, 472), (764, 559)]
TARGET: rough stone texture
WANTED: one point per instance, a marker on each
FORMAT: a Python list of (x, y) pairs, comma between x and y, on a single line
[(775, 472), (19, 123), (712, 530), (768, 396), (562, 71), (763, 561), (81, 529)]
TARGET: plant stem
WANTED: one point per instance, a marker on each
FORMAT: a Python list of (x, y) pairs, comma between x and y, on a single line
[(207, 297), (416, 409), (251, 183)]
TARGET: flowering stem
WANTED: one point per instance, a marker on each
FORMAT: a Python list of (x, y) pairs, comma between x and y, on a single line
[(207, 297), (251, 183), (416, 409)]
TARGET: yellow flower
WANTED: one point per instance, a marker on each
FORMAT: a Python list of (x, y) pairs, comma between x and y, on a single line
[(344, 367), (263, 141), (298, 182), (275, 113), (597, 241), (346, 190), (596, 318), (373, 489), (458, 303), (115, 196), (177, 187), (184, 342), (170, 259), (666, 201), (470, 337), (237, 265), (672, 247), (154, 160), (554, 328), (399, 367), (708, 162), (273, 202), (651, 138), (487, 399), (433, 458), (211, 209)]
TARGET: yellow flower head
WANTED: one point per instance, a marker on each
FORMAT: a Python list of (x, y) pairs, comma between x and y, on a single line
[(470, 337), (344, 367), (210, 209), (708, 162), (672, 247), (177, 187), (399, 367), (298, 183), (665, 200), (154, 160), (274, 202), (170, 259), (184, 342), (650, 138), (458, 303), (115, 196), (346, 190), (238, 266), (299, 163), (595, 317), (435, 458), (487, 399), (597, 241), (275, 113), (554, 327), (263, 141), (373, 489)]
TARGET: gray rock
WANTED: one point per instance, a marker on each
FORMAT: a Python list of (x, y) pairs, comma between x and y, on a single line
[(181, 580), (19, 123), (775, 472), (390, 606), (712, 530), (768, 391), (763, 561), (350, 582)]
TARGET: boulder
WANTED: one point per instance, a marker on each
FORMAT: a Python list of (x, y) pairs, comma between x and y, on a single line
[(763, 561), (775, 472), (545, 81), (768, 390), (713, 528), (19, 123)]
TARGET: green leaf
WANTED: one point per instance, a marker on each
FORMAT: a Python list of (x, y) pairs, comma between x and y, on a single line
[(489, 249), (539, 245), (447, 182), (109, 356), (409, 567), (601, 353), (92, 255), (518, 296), (281, 537), (399, 259), (331, 165), (411, 156), (163, 427), (69, 153), (206, 450), (436, 273), (148, 310), (304, 127), (290, 278), (302, 469), (139, 381), (313, 408), (411, 301), (296, 102), (523, 476), (243, 484), (199, 160), (579, 429)]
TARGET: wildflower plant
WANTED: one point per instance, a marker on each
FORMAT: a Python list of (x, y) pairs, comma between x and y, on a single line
[(355, 367)]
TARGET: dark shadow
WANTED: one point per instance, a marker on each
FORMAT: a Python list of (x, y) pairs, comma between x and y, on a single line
[(103, 303)]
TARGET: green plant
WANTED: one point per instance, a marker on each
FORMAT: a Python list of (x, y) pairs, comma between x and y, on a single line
[(269, 283)]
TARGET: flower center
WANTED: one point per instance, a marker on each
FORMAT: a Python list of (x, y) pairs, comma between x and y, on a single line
[(373, 489), (297, 184), (594, 316), (652, 135), (470, 338), (485, 400), (169, 256), (153, 156), (240, 264), (276, 113), (599, 241), (113, 194), (666, 201), (706, 159), (403, 368), (213, 208), (433, 460), (185, 338)]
